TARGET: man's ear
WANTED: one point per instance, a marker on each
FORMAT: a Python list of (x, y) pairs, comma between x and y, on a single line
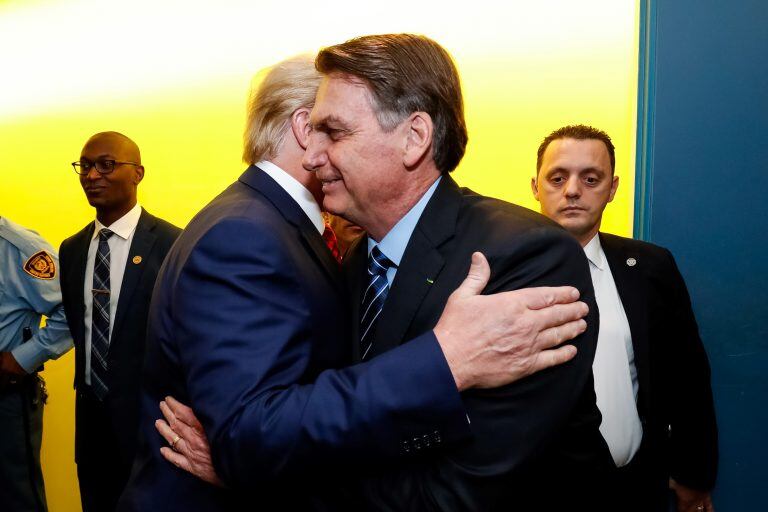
[(418, 139), (138, 174), (614, 187), (300, 126), (535, 188)]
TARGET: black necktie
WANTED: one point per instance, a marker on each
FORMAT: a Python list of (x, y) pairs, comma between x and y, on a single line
[(100, 317), (373, 298)]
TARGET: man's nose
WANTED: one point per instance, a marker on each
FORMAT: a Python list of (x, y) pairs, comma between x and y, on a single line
[(572, 187), (93, 174), (314, 156)]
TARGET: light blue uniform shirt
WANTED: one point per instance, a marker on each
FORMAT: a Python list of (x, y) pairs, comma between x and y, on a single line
[(24, 298), (394, 243)]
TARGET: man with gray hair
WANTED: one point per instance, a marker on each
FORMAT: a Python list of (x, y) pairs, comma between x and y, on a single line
[(249, 327)]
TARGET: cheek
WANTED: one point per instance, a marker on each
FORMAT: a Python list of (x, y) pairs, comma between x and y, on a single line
[(550, 200)]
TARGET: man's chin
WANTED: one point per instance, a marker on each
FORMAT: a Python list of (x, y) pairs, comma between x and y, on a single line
[(576, 227), (333, 205)]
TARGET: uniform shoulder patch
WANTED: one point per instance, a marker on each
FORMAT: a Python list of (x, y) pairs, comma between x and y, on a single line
[(41, 265)]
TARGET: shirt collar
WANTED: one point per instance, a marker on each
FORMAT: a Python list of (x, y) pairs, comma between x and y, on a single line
[(394, 243), (594, 252), (122, 227), (297, 191)]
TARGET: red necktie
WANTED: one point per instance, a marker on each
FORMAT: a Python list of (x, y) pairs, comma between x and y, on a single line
[(333, 244)]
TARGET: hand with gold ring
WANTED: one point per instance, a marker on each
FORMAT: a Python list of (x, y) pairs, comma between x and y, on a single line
[(188, 447)]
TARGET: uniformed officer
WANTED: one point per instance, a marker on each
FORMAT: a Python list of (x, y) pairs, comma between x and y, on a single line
[(29, 289)]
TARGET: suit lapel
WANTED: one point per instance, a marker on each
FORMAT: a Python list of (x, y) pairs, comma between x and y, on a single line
[(627, 269), (316, 245), (355, 278), (141, 247), (419, 268), (80, 253), (292, 212)]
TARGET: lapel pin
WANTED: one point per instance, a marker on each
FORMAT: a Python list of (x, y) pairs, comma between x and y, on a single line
[(631, 262), (136, 260), (430, 281)]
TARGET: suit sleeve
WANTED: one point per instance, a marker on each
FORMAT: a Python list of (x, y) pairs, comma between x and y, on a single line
[(515, 426), (244, 341), (693, 428)]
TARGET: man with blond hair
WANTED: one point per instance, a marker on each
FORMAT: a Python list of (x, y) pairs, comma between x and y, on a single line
[(249, 327)]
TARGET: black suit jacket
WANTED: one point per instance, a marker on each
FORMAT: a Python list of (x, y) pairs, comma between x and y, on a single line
[(675, 396), (151, 241), (538, 433)]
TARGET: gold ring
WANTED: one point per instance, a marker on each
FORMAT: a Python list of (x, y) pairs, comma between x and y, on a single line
[(176, 439)]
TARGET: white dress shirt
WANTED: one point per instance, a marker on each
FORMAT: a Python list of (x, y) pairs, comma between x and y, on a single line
[(119, 247), (297, 191), (614, 366)]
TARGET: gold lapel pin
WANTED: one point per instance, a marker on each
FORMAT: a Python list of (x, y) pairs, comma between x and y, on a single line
[(136, 260), (631, 262)]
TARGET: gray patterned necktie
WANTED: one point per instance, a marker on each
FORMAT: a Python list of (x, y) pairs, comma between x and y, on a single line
[(100, 317)]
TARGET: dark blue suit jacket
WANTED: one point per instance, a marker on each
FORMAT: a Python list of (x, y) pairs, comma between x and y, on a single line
[(248, 326)]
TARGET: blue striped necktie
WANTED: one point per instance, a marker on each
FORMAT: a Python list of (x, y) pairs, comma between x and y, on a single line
[(100, 317), (373, 298)]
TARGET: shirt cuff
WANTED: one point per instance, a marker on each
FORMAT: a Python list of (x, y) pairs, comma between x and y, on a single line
[(29, 355)]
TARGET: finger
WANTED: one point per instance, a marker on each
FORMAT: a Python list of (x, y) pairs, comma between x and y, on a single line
[(166, 431), (176, 458), (559, 314), (168, 414), (477, 277), (554, 336), (183, 412), (546, 296), (189, 436), (554, 357)]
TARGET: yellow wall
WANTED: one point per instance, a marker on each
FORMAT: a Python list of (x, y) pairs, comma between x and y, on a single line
[(174, 76)]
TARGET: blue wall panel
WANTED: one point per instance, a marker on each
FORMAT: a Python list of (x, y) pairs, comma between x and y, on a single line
[(703, 193)]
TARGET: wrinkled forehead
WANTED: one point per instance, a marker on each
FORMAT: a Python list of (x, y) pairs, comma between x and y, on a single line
[(340, 96)]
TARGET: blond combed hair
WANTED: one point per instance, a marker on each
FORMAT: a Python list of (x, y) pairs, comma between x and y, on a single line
[(276, 93)]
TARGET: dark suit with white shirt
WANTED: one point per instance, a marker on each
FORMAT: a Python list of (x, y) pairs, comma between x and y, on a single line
[(106, 431), (675, 397)]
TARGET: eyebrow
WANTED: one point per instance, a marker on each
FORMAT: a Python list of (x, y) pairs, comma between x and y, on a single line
[(327, 120), (563, 169)]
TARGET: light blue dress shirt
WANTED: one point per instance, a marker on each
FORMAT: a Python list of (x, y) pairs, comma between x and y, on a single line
[(394, 243), (25, 298)]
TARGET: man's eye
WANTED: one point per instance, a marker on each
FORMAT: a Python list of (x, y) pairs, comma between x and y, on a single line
[(105, 165), (557, 180), (591, 180)]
